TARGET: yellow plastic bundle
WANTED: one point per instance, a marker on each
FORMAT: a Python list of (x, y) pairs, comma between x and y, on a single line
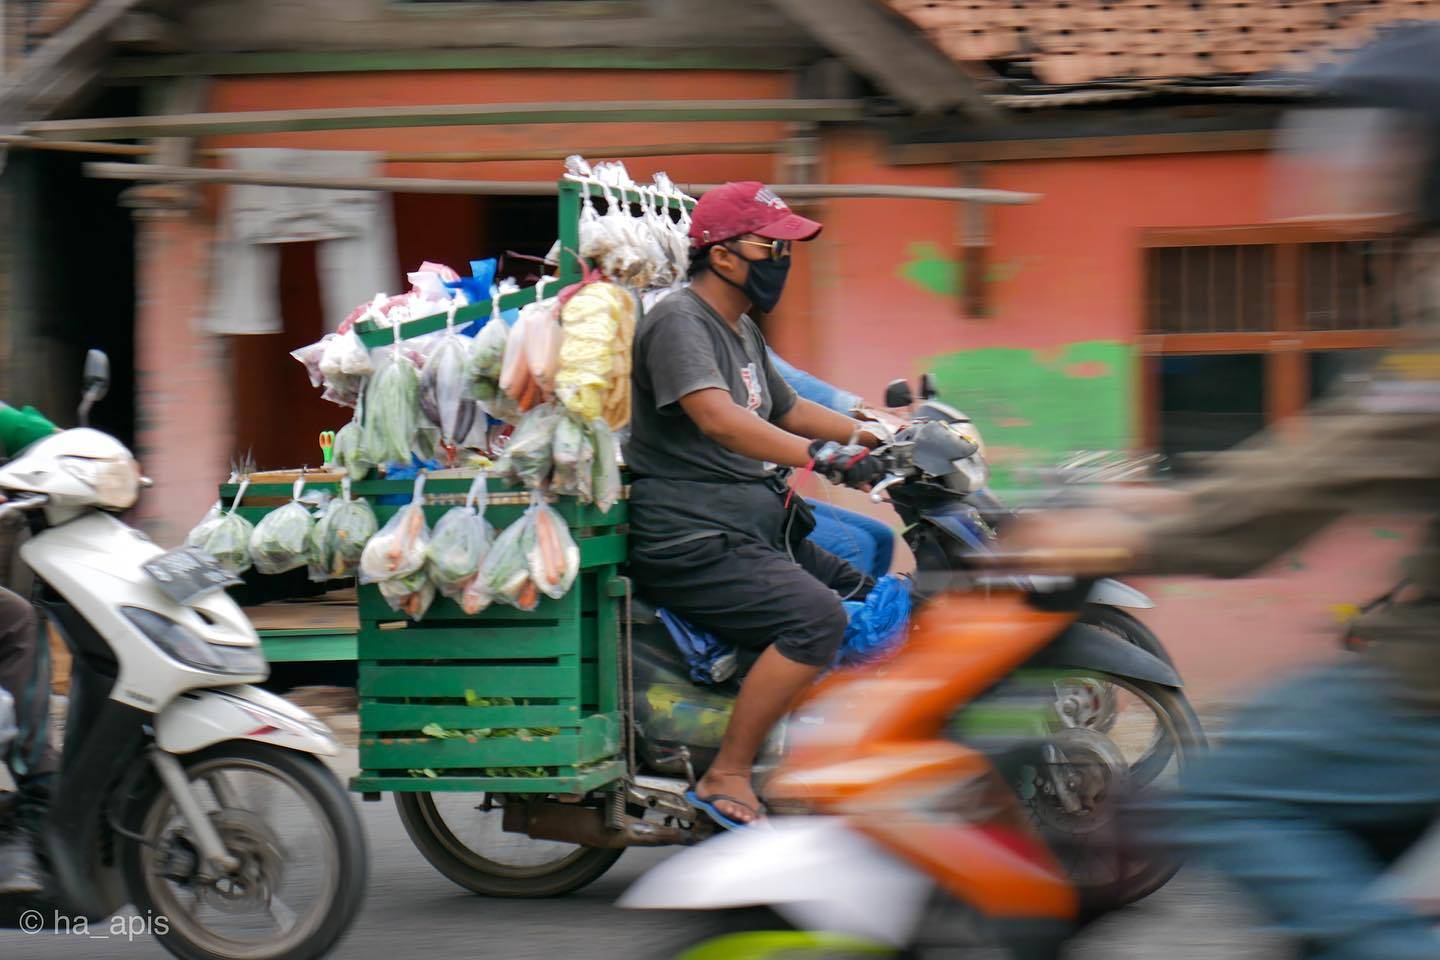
[(594, 377)]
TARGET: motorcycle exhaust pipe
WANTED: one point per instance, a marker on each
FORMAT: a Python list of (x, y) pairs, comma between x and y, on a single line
[(569, 823)]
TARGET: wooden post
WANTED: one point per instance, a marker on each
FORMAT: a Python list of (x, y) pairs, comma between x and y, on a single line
[(1287, 369)]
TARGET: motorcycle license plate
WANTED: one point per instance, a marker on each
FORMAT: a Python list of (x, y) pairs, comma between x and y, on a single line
[(188, 573)]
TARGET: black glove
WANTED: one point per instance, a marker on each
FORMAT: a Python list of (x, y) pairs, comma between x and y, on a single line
[(850, 464)]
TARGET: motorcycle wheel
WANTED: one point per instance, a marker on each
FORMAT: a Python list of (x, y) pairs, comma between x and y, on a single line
[(1093, 845), (1127, 627), (300, 882), (466, 843)]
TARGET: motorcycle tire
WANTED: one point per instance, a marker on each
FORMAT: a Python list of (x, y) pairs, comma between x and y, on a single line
[(462, 864), (305, 774)]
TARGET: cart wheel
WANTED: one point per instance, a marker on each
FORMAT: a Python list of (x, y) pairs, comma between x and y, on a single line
[(466, 843)]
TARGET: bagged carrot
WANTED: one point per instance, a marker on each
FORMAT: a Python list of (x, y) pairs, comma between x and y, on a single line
[(397, 552), (505, 574), (554, 557)]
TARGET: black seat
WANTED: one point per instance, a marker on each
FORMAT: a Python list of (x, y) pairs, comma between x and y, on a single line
[(642, 612)]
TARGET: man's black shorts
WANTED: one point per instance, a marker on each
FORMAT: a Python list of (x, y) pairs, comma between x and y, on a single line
[(753, 595)]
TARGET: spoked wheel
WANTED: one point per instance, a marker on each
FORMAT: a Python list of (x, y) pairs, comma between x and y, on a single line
[(1093, 704), (301, 864), (466, 842), (1076, 789)]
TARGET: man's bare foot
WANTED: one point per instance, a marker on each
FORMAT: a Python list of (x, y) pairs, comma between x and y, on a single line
[(737, 785)]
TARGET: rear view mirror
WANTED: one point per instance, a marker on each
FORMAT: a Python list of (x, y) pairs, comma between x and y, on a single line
[(95, 383), (927, 386), (898, 394)]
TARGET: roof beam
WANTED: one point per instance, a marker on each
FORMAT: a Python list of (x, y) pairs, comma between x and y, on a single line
[(879, 44), (794, 191), (444, 115)]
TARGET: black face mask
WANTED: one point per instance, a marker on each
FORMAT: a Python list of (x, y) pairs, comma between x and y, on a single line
[(764, 282)]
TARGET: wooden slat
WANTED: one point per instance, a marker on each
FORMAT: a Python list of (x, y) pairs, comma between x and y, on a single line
[(562, 680), (373, 608), (565, 781), (377, 717), (445, 115), (304, 646), (481, 641), (594, 741), (1263, 342)]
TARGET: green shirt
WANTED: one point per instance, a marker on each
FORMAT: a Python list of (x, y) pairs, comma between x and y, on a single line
[(20, 428)]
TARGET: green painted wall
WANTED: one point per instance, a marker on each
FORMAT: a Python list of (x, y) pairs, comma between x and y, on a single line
[(1035, 406)]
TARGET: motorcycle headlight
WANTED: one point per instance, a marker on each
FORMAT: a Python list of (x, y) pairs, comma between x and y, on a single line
[(116, 482), (185, 645)]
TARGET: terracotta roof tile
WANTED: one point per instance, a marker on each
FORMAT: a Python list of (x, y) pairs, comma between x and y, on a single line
[(1078, 41)]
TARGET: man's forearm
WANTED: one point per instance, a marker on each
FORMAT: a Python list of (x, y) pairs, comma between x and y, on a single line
[(810, 420)]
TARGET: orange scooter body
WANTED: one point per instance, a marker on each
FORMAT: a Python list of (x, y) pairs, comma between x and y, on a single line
[(880, 758)]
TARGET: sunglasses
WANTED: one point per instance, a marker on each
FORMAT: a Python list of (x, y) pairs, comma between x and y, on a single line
[(779, 249)]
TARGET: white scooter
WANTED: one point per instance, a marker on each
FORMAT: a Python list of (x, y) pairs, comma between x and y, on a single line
[(185, 791)]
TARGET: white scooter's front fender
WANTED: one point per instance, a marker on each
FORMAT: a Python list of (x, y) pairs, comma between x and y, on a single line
[(1113, 593), (203, 718), (815, 871)]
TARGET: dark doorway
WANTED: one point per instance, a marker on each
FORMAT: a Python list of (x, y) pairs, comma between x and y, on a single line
[(1210, 402)]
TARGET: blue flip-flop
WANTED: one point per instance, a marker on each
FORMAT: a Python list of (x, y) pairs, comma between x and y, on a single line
[(707, 804)]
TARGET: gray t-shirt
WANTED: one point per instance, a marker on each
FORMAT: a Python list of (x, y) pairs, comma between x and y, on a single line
[(682, 345)]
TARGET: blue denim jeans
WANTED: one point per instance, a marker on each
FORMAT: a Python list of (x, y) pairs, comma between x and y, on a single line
[(864, 542), (1282, 807)]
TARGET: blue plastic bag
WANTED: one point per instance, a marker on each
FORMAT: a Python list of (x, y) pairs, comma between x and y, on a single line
[(879, 625), (711, 659)]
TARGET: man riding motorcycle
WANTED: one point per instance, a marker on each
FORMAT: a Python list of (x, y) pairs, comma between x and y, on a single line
[(716, 537), (1297, 802), (31, 759)]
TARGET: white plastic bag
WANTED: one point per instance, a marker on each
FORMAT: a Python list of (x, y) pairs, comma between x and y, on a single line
[(280, 540), (554, 559), (459, 542), (398, 550), (445, 385), (227, 539)]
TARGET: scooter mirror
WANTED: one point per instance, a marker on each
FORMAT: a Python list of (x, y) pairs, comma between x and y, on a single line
[(927, 386), (97, 374), (95, 382), (898, 394)]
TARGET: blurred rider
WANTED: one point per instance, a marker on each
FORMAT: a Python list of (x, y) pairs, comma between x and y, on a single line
[(30, 759), (1294, 803)]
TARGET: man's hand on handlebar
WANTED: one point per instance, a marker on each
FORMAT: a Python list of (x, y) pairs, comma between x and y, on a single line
[(848, 464)]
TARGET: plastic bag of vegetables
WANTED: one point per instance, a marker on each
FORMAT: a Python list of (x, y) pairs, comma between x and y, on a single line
[(445, 385), (349, 449), (529, 455), (410, 595), (226, 538), (395, 558), (392, 408), (339, 536), (505, 574), (542, 339), (487, 355), (574, 455), (459, 542), (516, 380), (278, 542), (554, 559), (606, 485)]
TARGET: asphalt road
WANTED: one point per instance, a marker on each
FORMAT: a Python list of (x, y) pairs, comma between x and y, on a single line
[(412, 911)]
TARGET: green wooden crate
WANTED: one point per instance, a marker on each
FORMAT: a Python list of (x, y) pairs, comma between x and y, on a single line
[(529, 701)]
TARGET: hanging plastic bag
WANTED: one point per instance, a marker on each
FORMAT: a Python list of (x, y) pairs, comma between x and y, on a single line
[(606, 484), (554, 557), (594, 240), (201, 531), (392, 408), (279, 541), (487, 356), (398, 550), (339, 536), (410, 595), (516, 380), (574, 455), (348, 451), (505, 574), (543, 336), (459, 542), (228, 538), (529, 454), (445, 395), (599, 323)]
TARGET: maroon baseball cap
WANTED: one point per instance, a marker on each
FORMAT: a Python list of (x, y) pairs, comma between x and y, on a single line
[(746, 206)]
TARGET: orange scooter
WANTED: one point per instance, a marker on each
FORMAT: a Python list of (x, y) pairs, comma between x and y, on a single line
[(946, 797)]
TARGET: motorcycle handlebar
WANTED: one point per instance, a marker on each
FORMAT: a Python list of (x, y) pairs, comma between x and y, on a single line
[(21, 504)]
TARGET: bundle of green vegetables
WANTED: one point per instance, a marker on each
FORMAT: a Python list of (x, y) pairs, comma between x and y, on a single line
[(280, 540), (458, 546), (392, 409), (339, 536), (225, 536)]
